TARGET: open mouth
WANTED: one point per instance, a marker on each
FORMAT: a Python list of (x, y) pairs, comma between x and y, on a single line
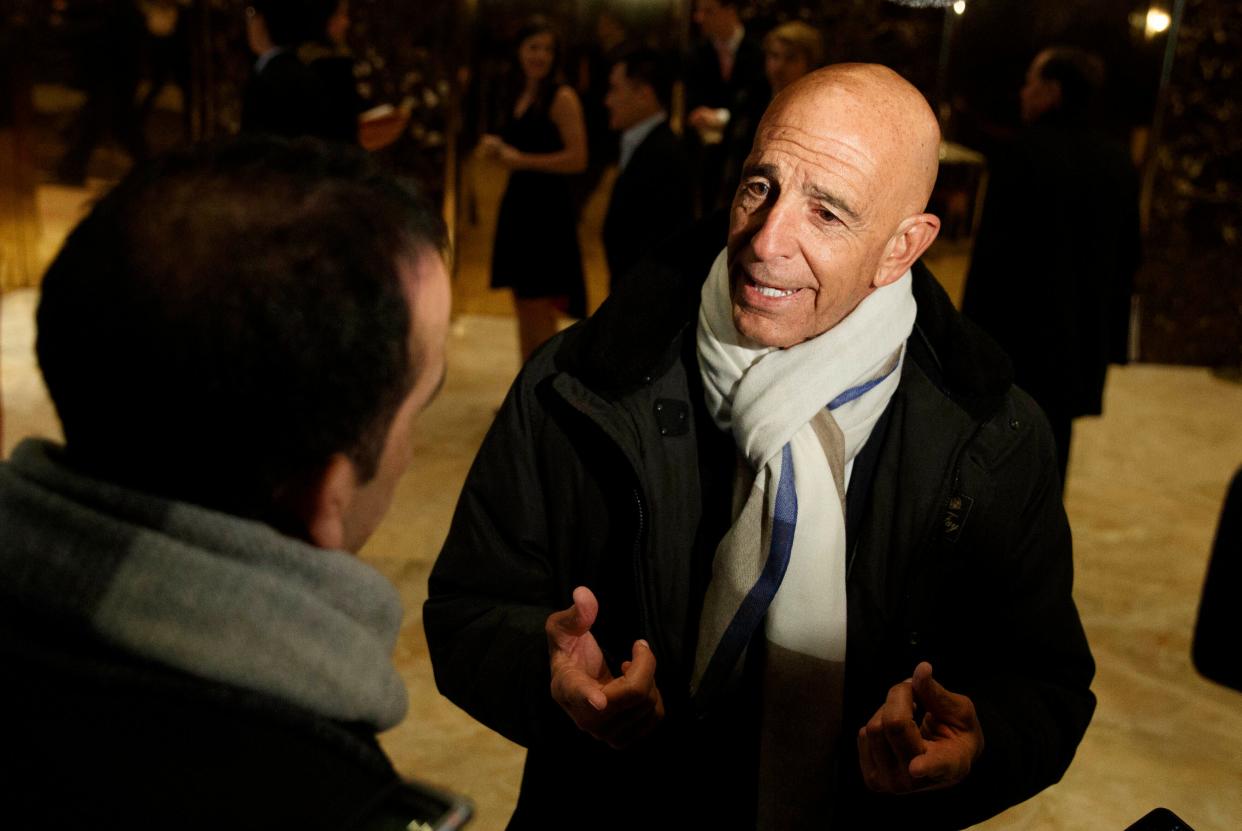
[(756, 289), (769, 291)]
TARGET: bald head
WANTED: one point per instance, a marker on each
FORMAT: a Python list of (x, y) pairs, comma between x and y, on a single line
[(831, 203), (883, 112)]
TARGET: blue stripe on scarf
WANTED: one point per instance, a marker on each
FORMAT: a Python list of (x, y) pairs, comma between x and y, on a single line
[(755, 605), (759, 598), (857, 392)]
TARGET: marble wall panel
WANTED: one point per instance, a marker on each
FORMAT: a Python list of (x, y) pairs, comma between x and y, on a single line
[(1191, 285)]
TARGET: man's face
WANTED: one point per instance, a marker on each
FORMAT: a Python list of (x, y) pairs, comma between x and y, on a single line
[(808, 229), (428, 295), (716, 21), (338, 24), (628, 102), (783, 65), (1038, 95)]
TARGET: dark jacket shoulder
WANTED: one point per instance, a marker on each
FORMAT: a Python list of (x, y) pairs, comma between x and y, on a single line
[(96, 734), (651, 200)]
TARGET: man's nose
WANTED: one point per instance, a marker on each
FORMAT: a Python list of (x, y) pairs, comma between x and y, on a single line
[(777, 236)]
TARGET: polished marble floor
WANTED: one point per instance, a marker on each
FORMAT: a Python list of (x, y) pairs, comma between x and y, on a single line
[(1145, 486)]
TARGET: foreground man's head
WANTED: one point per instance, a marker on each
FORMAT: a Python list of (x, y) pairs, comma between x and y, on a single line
[(250, 327), (831, 202)]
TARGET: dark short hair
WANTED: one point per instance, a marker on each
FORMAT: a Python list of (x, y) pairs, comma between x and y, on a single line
[(230, 316), (1079, 74), (647, 66), (294, 22)]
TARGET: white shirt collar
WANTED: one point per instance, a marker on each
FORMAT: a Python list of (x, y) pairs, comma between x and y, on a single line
[(267, 57)]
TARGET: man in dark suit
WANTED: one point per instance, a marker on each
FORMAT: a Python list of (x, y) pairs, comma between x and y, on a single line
[(725, 70), (652, 195), (1060, 308), (300, 85)]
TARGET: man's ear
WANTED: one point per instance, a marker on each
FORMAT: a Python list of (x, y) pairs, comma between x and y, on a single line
[(912, 238), (327, 500), (1056, 96)]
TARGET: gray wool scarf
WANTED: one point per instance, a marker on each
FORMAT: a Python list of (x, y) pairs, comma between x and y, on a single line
[(213, 595)]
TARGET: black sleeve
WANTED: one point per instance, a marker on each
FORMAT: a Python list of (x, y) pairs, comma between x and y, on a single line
[(494, 585), (1031, 668), (1035, 703)]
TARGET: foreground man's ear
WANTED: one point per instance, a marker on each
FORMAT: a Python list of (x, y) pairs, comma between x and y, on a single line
[(327, 502), (913, 236)]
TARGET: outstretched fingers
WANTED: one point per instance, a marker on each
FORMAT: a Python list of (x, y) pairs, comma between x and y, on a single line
[(635, 706)]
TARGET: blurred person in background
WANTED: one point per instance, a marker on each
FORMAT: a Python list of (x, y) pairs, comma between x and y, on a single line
[(790, 51), (303, 80), (542, 141), (284, 95), (1060, 307), (612, 37), (652, 196), (725, 69), (107, 38), (168, 57)]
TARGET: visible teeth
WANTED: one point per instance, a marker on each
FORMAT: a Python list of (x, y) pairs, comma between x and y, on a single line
[(768, 291)]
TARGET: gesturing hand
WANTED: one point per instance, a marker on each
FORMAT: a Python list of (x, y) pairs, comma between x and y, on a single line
[(618, 711), (898, 756)]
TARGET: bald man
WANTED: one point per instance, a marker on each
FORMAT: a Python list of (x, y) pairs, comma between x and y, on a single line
[(772, 541)]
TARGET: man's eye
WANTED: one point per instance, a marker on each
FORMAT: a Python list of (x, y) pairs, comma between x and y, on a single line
[(825, 215), (756, 188)]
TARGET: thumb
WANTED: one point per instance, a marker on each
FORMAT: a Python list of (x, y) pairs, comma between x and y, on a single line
[(578, 619), (931, 694)]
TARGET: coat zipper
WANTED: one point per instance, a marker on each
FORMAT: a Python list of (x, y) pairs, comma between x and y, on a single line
[(647, 627), (646, 624)]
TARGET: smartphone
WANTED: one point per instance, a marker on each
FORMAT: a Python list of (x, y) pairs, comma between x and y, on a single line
[(417, 806), (1161, 819)]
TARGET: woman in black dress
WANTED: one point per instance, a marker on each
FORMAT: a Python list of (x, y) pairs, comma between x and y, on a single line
[(543, 143)]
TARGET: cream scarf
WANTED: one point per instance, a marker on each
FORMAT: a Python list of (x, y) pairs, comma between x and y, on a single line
[(807, 409)]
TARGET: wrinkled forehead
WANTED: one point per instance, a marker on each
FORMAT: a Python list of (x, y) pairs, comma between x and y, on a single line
[(834, 116), (836, 146), (825, 133), (873, 133)]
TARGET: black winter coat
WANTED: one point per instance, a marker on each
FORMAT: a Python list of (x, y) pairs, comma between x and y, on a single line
[(603, 469), (1054, 261)]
